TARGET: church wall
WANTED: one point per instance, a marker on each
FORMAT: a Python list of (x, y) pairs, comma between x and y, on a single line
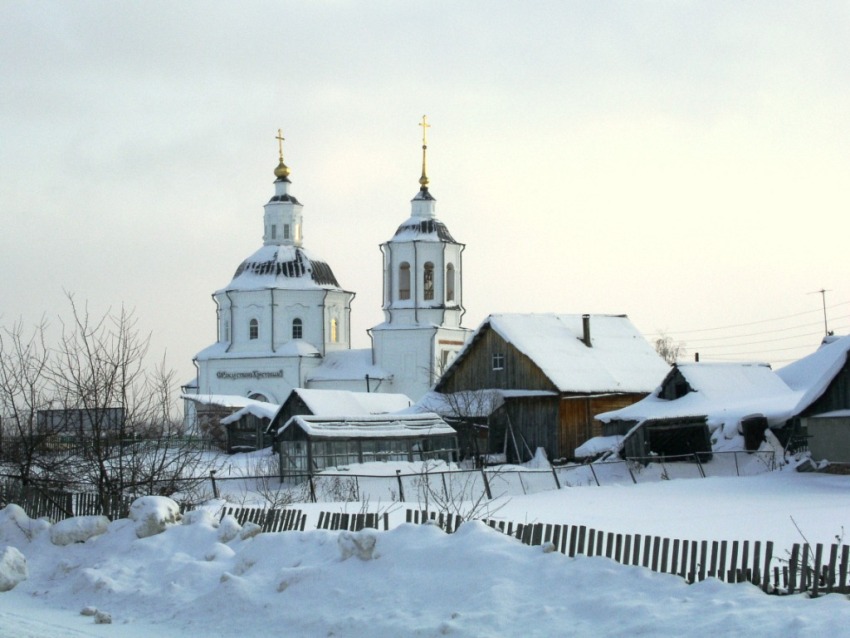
[(274, 378)]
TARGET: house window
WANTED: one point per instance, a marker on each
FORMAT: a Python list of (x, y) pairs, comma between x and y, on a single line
[(498, 361), (404, 281), (297, 329), (428, 281), (450, 282), (253, 329), (334, 331)]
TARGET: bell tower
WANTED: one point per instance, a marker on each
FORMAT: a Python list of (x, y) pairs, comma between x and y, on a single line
[(422, 295)]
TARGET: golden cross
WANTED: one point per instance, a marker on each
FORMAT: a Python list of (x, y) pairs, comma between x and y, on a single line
[(280, 139), (425, 126)]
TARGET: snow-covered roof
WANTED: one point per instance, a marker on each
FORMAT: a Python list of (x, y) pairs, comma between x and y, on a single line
[(812, 374), (288, 267), (723, 392), (337, 402), (347, 365), (222, 400), (419, 229), (474, 403), (619, 359), (293, 348), (408, 426), (259, 409)]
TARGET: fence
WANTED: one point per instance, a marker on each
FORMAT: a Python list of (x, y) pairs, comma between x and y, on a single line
[(270, 520), (816, 570), (806, 569), (57, 505), (494, 482)]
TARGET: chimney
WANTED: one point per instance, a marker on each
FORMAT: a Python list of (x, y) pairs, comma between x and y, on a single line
[(585, 324)]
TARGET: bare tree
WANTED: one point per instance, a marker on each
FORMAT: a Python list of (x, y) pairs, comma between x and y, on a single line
[(28, 445), (668, 349), (131, 439)]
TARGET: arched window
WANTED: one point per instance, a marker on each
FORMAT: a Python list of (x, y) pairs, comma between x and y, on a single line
[(253, 329), (450, 282), (428, 281), (334, 331), (404, 281), (297, 329)]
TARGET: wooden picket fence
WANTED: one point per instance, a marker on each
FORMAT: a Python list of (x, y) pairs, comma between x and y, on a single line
[(57, 505), (270, 520), (804, 570), (445, 521), (353, 522)]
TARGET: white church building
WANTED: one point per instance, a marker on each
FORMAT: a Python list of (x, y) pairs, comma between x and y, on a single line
[(283, 321)]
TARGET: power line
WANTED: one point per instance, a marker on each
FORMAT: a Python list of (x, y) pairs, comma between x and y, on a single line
[(751, 323)]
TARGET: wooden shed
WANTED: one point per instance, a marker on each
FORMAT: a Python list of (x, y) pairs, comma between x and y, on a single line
[(554, 372), (739, 401)]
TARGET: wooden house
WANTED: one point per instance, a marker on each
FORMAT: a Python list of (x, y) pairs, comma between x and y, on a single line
[(553, 373), (734, 404)]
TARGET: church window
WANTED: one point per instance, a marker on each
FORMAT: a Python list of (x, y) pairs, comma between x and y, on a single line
[(404, 281), (286, 231), (498, 361), (226, 331), (450, 282), (428, 281), (334, 331), (274, 231), (253, 329), (297, 329)]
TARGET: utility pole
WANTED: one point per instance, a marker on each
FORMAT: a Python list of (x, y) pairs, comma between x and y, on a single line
[(822, 292)]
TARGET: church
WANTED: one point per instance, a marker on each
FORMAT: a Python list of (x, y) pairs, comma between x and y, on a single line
[(283, 321)]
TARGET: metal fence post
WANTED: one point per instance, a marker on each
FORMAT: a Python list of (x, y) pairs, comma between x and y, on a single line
[(400, 486), (487, 485), (555, 474), (592, 471), (699, 465), (212, 480)]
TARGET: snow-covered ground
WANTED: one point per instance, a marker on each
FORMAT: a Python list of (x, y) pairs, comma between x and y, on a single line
[(192, 579)]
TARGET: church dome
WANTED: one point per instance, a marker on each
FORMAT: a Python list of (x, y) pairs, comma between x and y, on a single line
[(287, 267)]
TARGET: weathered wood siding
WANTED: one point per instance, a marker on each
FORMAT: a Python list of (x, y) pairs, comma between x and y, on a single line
[(535, 424), (577, 422), (475, 371)]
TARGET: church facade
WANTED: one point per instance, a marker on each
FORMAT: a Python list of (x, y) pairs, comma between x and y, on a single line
[(283, 321)]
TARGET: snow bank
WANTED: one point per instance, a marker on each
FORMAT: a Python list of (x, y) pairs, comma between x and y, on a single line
[(16, 528), (13, 568), (153, 515), (78, 529)]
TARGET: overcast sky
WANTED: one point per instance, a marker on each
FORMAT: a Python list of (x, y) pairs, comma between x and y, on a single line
[(685, 163)]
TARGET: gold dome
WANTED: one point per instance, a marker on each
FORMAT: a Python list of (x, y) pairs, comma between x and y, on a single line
[(282, 170)]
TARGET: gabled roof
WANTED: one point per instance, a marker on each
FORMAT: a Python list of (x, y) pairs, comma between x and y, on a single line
[(346, 403), (618, 360), (408, 426), (723, 392)]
